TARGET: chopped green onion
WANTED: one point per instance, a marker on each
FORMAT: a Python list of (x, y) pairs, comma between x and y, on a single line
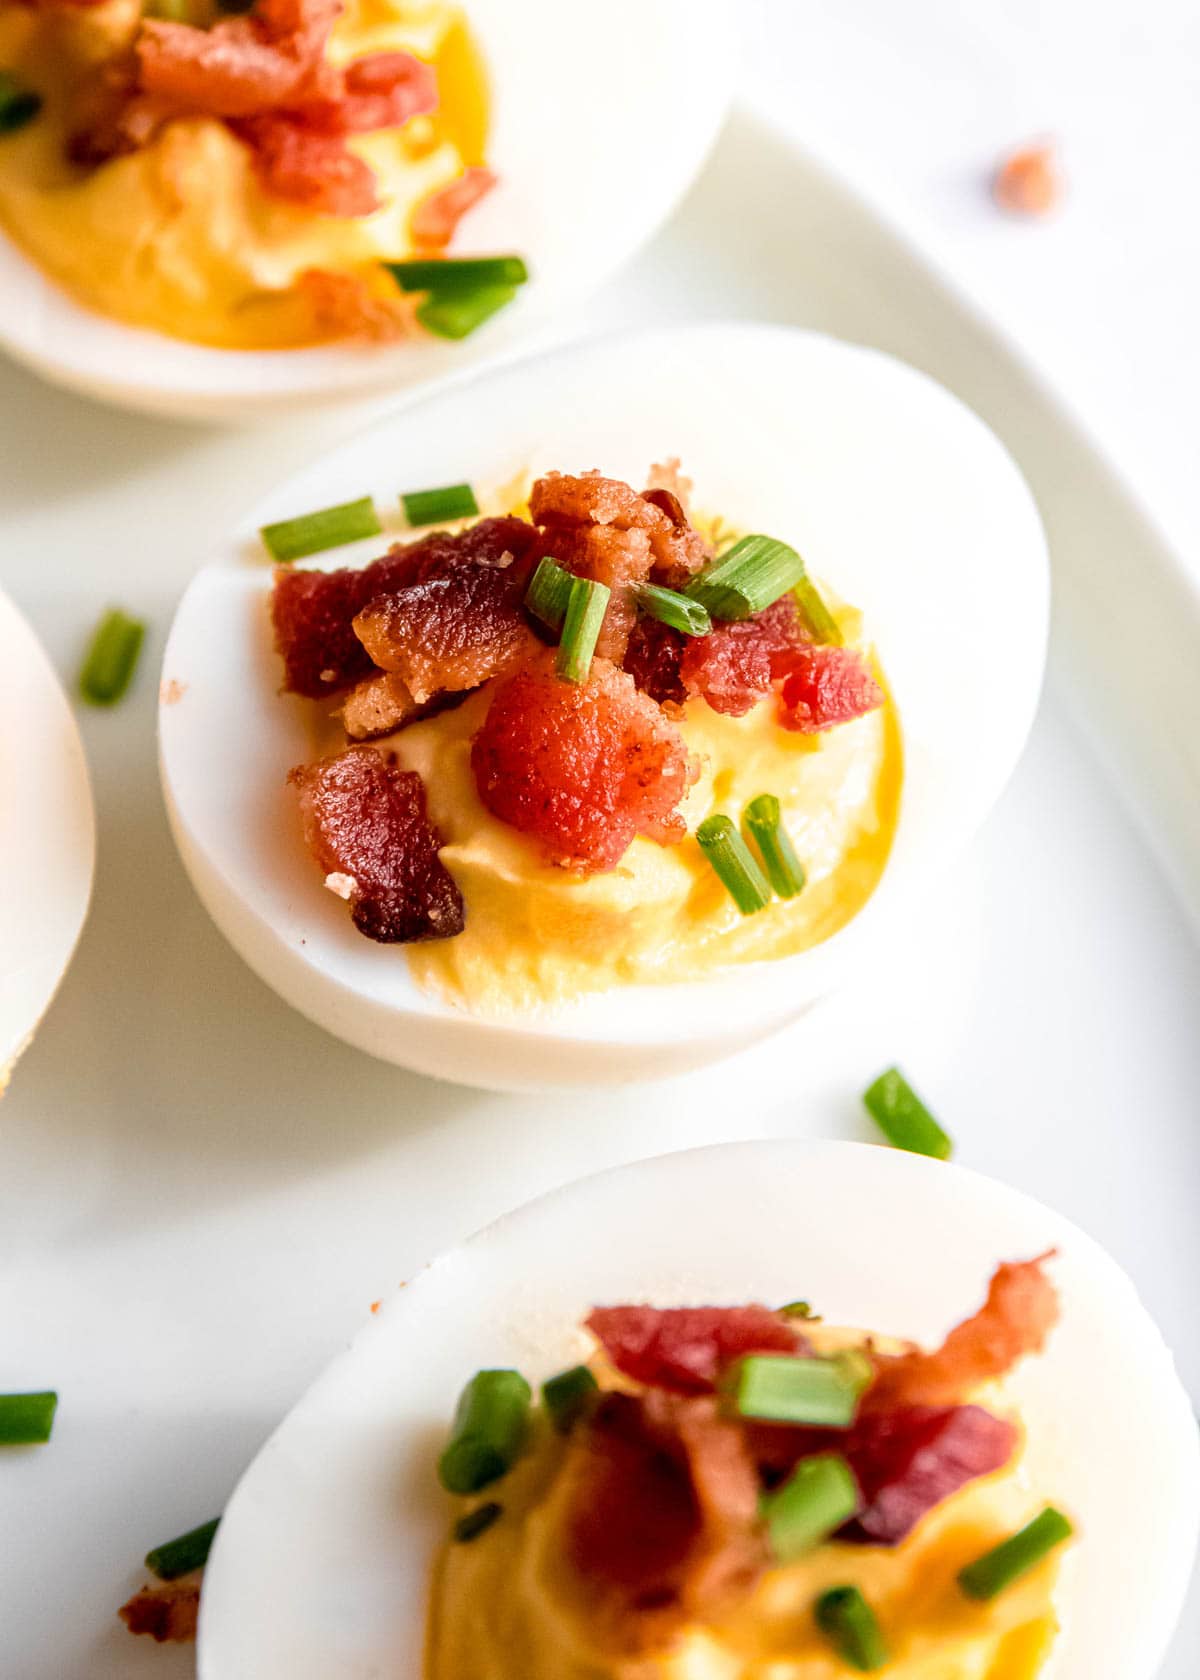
[(670, 607), (112, 658), (1016, 1556), (781, 1388), (452, 276), (477, 1522), (814, 614), (447, 315), (488, 1433), (903, 1118), (179, 1557), (816, 1500), (27, 1419), (568, 1397), (734, 862), (848, 1622), (19, 104), (796, 1309), (764, 819), (331, 527), (436, 507), (548, 593), (586, 606), (747, 578)]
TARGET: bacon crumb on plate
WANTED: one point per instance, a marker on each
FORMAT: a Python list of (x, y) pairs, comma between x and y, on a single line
[(167, 1610), (1028, 181)]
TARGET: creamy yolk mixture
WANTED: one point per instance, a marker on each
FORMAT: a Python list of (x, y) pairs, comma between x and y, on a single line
[(179, 236)]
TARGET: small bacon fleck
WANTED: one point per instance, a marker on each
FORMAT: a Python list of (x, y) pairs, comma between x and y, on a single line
[(436, 218), (166, 1611), (825, 686), (308, 167), (685, 1349), (1028, 181)]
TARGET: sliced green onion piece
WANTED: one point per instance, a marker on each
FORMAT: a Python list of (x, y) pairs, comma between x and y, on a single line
[(436, 507), (814, 614), (548, 593), (112, 658), (796, 1309), (477, 1522), (780, 1388), (670, 607), (447, 315), (488, 1433), (848, 1622), (452, 276), (816, 1500), (747, 578), (180, 1556), (764, 819), (568, 1397), (587, 604), (19, 104), (903, 1118), (1016, 1556), (27, 1419), (331, 527), (734, 862)]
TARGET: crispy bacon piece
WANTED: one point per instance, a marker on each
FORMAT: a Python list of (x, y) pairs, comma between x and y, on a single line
[(380, 90), (364, 820), (685, 1349), (662, 1517), (653, 656), (734, 667), (377, 706), (909, 1460), (272, 59), (349, 306), (167, 1610), (1021, 1309), (436, 218), (453, 632), (313, 612), (581, 767), (315, 170), (825, 686)]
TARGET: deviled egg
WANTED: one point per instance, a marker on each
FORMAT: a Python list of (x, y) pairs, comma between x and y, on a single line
[(47, 837), (912, 1471), (211, 213), (634, 856)]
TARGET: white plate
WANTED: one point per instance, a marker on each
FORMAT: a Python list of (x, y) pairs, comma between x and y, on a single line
[(200, 1195), (321, 1569)]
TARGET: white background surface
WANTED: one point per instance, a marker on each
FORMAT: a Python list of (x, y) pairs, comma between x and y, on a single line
[(200, 1195)]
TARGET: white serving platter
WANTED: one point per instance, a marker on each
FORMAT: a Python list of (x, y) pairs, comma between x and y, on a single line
[(200, 1194)]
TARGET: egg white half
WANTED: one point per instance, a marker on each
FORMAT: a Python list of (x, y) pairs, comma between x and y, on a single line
[(895, 493), (47, 835), (322, 1563), (596, 132)]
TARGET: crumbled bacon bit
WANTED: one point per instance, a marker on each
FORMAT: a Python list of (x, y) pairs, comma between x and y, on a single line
[(581, 767), (377, 706), (685, 1349), (269, 60), (348, 305), (909, 1460), (1028, 181), (653, 656), (734, 666), (435, 220), (365, 819), (167, 1610), (825, 686), (306, 167), (313, 612), (669, 475)]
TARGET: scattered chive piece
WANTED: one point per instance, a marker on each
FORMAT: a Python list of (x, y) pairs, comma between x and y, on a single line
[(1016, 1556), (435, 507), (447, 315), (796, 1309), (747, 578), (477, 1522), (568, 1397), (817, 1499), (488, 1433), (27, 1419), (903, 1118), (734, 862), (331, 527), (548, 593), (177, 1557), (454, 276), (814, 614), (587, 604), (848, 1622), (19, 104), (779, 1388), (764, 819), (112, 658), (670, 607)]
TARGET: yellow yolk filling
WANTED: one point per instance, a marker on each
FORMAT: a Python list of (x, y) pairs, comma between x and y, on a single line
[(179, 236)]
